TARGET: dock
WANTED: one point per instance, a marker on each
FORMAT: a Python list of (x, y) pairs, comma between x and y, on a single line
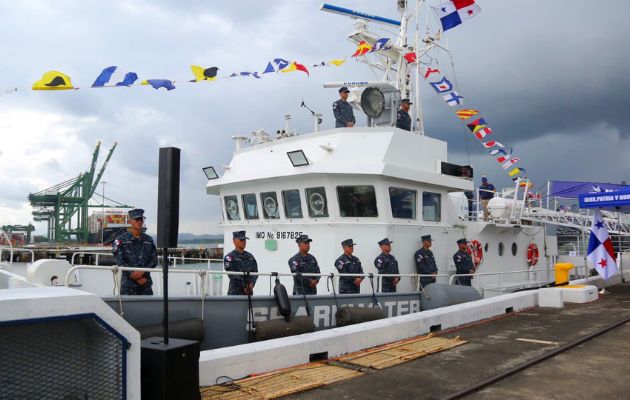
[(576, 352)]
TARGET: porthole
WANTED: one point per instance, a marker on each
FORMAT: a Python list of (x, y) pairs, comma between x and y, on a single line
[(501, 249), (485, 248), (514, 248)]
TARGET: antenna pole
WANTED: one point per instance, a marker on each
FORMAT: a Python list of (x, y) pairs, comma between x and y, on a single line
[(418, 109)]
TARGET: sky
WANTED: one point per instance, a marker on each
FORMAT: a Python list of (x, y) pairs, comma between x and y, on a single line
[(550, 78)]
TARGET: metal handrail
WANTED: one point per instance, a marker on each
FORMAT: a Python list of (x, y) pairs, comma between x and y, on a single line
[(174, 258), (18, 249), (92, 253), (500, 274)]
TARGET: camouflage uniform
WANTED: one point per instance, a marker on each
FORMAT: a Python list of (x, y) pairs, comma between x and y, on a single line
[(464, 265), (343, 113), (135, 252), (425, 264), (304, 264), (348, 265), (387, 264), (240, 262)]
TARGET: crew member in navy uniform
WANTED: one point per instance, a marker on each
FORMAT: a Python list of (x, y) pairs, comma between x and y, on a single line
[(239, 260), (349, 264), (344, 116), (386, 263), (403, 120), (304, 262), (463, 263), (135, 249), (425, 262)]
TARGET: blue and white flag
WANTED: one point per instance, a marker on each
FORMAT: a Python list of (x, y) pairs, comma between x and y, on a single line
[(113, 77), (159, 83), (601, 254), (381, 44), (453, 98), (442, 86)]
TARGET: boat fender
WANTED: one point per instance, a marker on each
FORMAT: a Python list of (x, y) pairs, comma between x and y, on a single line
[(189, 329), (282, 300), (277, 328), (532, 254), (476, 251), (438, 295), (355, 315)]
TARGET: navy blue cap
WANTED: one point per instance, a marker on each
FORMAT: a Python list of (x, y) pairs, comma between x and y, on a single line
[(406, 101), (484, 179), (348, 242), (384, 241), (343, 89), (426, 237), (462, 240), (303, 239), (136, 213), (239, 235)]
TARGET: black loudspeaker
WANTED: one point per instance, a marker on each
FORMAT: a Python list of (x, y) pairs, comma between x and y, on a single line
[(168, 198), (171, 371)]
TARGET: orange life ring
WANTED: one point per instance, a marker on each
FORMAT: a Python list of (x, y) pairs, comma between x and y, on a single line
[(532, 254), (476, 251)]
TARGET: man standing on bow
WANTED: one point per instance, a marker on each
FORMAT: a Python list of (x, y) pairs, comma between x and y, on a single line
[(135, 249), (239, 260), (304, 262), (425, 262)]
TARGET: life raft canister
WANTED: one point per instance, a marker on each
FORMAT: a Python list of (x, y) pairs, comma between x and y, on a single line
[(476, 251), (532, 254)]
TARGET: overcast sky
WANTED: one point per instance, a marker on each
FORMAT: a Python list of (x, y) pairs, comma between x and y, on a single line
[(550, 77)]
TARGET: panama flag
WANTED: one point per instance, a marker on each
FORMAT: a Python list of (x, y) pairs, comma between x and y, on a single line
[(600, 248), (454, 12), (113, 76)]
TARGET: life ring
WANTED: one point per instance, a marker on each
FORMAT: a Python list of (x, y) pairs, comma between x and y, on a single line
[(532, 254), (476, 251)]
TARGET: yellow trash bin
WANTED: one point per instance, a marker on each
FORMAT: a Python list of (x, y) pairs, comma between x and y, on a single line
[(562, 273)]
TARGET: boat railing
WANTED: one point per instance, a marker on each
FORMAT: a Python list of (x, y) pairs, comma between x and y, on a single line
[(527, 278), (90, 253), (72, 280), (14, 250), (172, 258)]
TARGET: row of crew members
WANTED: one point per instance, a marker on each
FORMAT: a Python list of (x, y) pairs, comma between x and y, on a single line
[(344, 115), (304, 262)]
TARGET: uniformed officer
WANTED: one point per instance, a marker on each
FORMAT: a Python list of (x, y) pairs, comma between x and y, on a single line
[(463, 263), (349, 264), (239, 260), (304, 262), (386, 263), (135, 249), (344, 116), (403, 120), (425, 262)]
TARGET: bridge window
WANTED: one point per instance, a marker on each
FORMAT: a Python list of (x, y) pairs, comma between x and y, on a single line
[(250, 207), (403, 202), (292, 204), (269, 203), (357, 201), (231, 208), (317, 204), (431, 206)]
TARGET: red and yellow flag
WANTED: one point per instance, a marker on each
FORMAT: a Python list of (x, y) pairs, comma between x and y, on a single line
[(465, 114), (362, 49)]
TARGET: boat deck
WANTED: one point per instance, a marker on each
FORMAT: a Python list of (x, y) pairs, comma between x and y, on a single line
[(597, 368)]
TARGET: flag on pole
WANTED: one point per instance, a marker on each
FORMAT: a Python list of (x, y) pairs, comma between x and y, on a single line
[(600, 249), (452, 13)]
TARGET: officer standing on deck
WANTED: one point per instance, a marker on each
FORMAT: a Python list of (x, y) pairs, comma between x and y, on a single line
[(344, 116), (239, 260), (425, 262), (304, 262), (463, 263), (135, 249), (386, 263), (403, 120), (349, 264)]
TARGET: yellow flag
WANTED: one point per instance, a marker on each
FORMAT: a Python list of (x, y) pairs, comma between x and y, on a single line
[(292, 67), (204, 74), (515, 171), (53, 80), (337, 61)]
